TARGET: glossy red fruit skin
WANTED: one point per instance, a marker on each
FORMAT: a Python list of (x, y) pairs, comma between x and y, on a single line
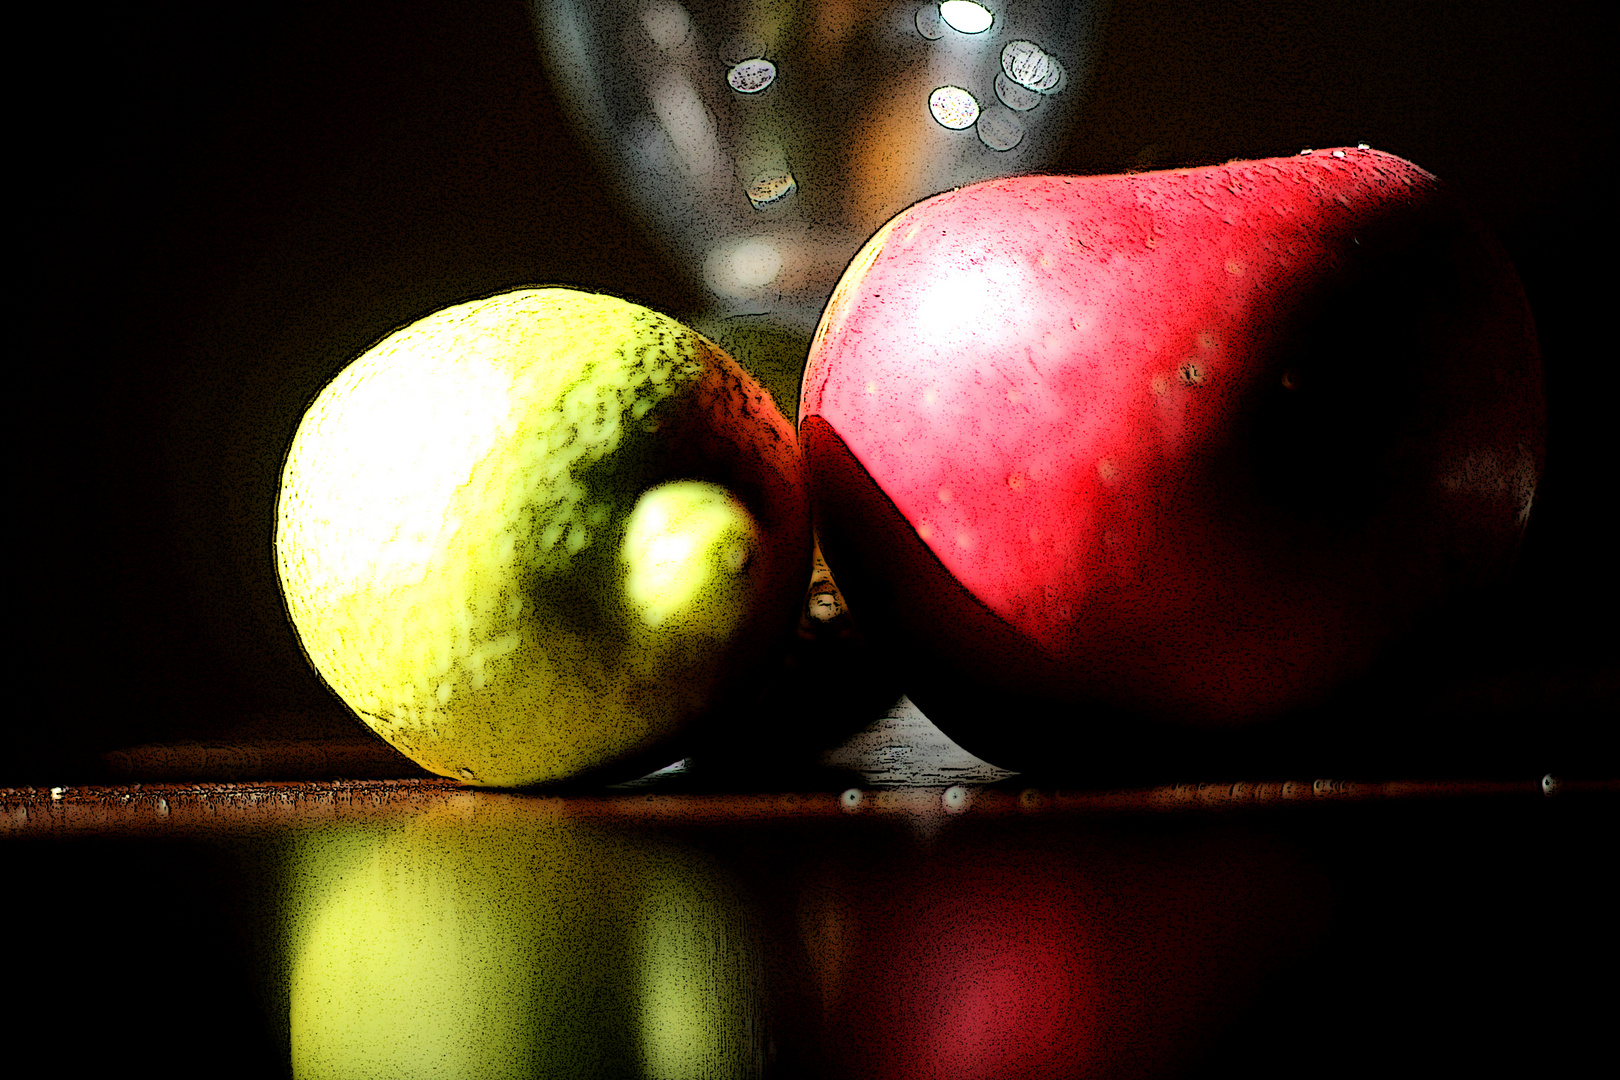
[(1194, 444)]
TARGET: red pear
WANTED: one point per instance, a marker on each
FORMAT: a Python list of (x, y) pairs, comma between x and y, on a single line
[(1194, 445)]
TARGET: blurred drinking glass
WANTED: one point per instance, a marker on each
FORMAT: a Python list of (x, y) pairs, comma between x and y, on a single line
[(762, 141)]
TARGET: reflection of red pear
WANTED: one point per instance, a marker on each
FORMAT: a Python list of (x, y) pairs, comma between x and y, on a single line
[(1081, 958), (1192, 444)]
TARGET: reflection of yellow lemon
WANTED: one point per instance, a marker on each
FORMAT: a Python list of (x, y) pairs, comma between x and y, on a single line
[(515, 943), (537, 534)]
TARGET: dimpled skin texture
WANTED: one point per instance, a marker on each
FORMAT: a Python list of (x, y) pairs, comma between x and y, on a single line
[(1193, 444), (452, 521)]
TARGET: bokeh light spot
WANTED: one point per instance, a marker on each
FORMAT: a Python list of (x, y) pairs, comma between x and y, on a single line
[(953, 107), (966, 16)]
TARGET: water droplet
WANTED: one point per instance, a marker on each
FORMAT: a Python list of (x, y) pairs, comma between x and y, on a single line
[(751, 76), (953, 107)]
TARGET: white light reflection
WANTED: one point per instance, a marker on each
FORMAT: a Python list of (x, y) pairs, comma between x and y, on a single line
[(743, 267), (951, 303), (966, 16)]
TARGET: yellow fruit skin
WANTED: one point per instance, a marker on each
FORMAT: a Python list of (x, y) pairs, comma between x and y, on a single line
[(451, 534)]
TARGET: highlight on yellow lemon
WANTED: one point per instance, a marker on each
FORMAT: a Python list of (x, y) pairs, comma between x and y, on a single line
[(539, 534), (687, 546), (506, 942)]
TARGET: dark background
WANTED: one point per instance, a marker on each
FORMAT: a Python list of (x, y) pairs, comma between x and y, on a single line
[(225, 203)]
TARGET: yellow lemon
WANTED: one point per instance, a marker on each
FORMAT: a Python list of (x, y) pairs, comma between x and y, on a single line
[(537, 535)]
